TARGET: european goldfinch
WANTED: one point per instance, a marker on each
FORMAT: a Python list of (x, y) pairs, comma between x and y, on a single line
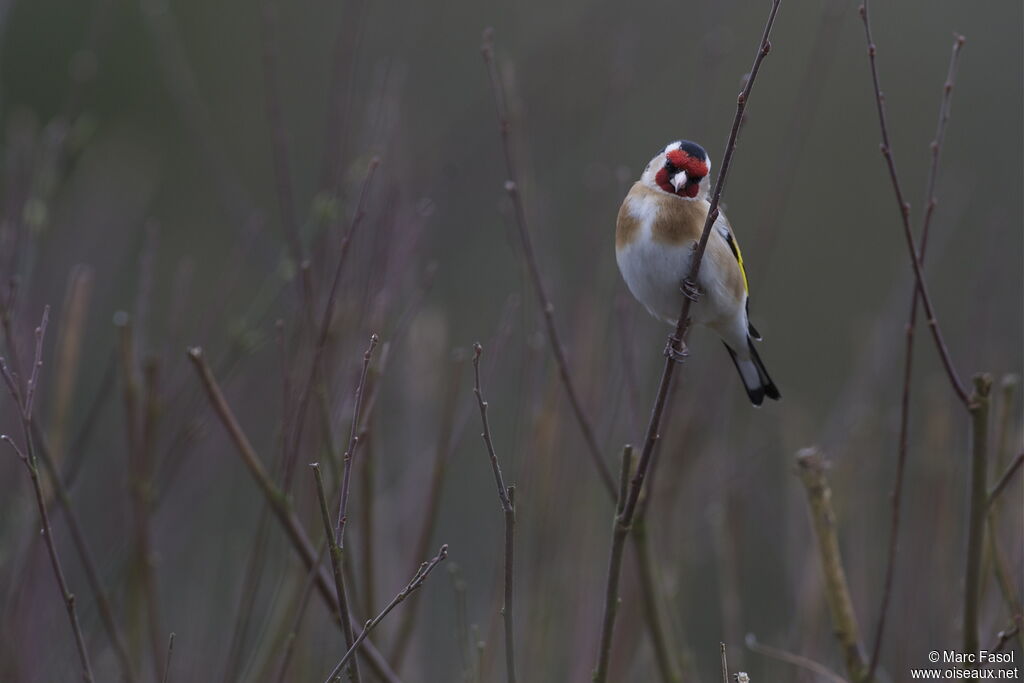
[(659, 225)]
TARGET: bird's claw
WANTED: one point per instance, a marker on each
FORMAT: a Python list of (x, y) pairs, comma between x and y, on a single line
[(690, 289), (676, 349)]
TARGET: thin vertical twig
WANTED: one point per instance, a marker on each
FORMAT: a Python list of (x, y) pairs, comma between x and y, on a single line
[(336, 565), (624, 519), (890, 162), (811, 468), (908, 357), (87, 558), (353, 444), (611, 595), (506, 496), (24, 401), (978, 408), (167, 659), (725, 664), (325, 324), (417, 581), (512, 187)]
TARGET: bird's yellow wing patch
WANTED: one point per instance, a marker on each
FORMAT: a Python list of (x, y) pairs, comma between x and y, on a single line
[(735, 248)]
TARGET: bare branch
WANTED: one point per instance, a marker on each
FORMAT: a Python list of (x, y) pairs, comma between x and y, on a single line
[(336, 567), (28, 458), (353, 444), (417, 580), (908, 234), (506, 495), (33, 380), (908, 358), (611, 594)]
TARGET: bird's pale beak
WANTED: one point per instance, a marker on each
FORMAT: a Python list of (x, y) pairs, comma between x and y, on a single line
[(679, 180)]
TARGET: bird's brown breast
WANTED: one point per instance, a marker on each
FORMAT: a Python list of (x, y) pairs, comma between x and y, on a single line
[(674, 220)]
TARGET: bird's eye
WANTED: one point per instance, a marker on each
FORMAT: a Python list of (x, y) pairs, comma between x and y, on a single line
[(671, 168)]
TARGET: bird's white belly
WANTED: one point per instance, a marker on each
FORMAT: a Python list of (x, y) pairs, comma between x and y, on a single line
[(654, 272)]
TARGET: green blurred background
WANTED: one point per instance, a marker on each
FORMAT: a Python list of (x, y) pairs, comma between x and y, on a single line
[(137, 152)]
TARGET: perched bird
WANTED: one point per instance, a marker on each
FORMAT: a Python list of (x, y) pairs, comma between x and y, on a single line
[(659, 225)]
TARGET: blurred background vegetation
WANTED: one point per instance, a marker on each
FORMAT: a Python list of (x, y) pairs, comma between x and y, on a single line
[(138, 175)]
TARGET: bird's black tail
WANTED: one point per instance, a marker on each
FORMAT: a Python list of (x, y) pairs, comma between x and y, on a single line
[(754, 376)]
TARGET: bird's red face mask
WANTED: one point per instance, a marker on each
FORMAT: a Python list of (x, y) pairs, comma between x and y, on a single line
[(682, 173)]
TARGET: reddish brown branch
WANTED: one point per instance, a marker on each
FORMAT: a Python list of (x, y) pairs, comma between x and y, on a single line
[(890, 162), (908, 356)]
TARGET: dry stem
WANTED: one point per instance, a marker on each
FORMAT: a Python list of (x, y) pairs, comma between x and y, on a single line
[(506, 495), (978, 408), (811, 468)]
